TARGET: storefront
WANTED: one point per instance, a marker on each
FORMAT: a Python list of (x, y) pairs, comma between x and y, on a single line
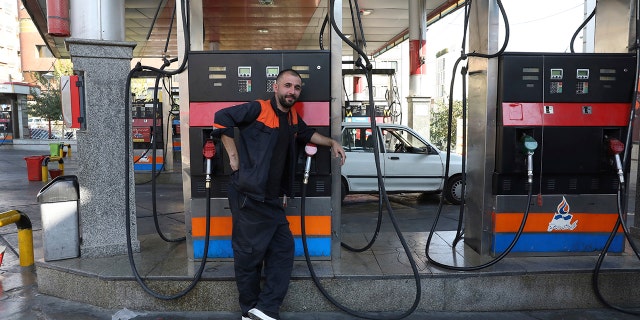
[(13, 111)]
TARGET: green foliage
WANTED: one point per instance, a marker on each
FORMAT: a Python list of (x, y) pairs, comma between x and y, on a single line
[(46, 104), (440, 123), (46, 101), (140, 90), (62, 67)]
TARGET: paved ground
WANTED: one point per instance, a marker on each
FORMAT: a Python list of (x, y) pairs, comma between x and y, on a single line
[(20, 299)]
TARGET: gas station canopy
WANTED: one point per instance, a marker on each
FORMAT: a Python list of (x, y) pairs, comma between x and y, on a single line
[(255, 24)]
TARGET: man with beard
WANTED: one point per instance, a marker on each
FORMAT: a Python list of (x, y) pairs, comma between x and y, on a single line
[(263, 165)]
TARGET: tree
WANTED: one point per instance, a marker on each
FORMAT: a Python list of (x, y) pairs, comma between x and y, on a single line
[(440, 124), (46, 103)]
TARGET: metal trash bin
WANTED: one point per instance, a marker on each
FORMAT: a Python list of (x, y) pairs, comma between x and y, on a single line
[(59, 210)]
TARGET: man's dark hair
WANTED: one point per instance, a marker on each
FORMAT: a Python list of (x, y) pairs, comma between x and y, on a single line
[(290, 71)]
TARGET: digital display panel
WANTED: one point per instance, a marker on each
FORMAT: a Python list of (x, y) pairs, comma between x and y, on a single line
[(272, 71), (244, 71), (582, 74)]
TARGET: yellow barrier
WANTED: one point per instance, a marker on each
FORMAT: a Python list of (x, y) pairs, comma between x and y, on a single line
[(25, 234), (45, 167), (68, 152)]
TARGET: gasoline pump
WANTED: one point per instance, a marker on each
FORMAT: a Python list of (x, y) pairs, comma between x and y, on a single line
[(580, 108), (219, 79), (577, 106)]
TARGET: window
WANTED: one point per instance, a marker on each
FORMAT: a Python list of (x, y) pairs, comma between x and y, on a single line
[(401, 141), (43, 52), (357, 140)]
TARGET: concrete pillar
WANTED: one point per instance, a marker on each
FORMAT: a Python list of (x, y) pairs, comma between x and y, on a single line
[(21, 121), (99, 54), (103, 166), (417, 48), (336, 127), (419, 105), (420, 115)]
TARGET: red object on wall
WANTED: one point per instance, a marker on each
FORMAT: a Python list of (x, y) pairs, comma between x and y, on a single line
[(358, 85), (70, 94), (417, 50), (58, 18)]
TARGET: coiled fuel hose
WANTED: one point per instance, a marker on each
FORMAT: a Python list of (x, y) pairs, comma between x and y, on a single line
[(127, 139), (365, 315)]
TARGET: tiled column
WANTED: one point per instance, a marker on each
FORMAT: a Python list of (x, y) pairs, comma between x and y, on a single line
[(104, 166)]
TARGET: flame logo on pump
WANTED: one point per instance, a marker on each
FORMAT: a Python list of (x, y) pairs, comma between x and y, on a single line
[(562, 218)]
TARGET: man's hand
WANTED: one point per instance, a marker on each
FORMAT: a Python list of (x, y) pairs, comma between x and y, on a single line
[(338, 151), (232, 152)]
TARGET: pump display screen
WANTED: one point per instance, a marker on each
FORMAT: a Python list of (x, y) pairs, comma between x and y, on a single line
[(556, 73), (272, 71), (582, 74), (244, 72)]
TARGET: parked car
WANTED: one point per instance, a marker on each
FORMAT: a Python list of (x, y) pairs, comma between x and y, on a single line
[(409, 163), (37, 123)]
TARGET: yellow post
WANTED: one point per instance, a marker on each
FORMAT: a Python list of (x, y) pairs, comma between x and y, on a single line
[(25, 247), (25, 234), (61, 166), (44, 170)]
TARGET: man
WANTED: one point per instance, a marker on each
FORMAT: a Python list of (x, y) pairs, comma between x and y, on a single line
[(263, 170)]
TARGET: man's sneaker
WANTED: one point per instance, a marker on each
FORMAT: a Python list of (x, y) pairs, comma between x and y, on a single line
[(256, 314), (246, 318)]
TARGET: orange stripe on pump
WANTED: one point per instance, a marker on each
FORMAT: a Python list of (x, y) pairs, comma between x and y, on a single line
[(539, 222), (221, 226), (314, 225)]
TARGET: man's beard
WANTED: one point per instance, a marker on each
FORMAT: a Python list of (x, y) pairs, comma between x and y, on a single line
[(285, 103)]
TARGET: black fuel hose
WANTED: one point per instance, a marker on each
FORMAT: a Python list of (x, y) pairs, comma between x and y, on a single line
[(153, 160), (132, 263), (459, 232), (597, 269), (325, 293), (620, 198), (185, 20), (367, 68)]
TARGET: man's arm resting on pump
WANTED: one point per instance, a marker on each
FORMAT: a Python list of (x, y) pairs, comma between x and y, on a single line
[(338, 151), (232, 151)]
